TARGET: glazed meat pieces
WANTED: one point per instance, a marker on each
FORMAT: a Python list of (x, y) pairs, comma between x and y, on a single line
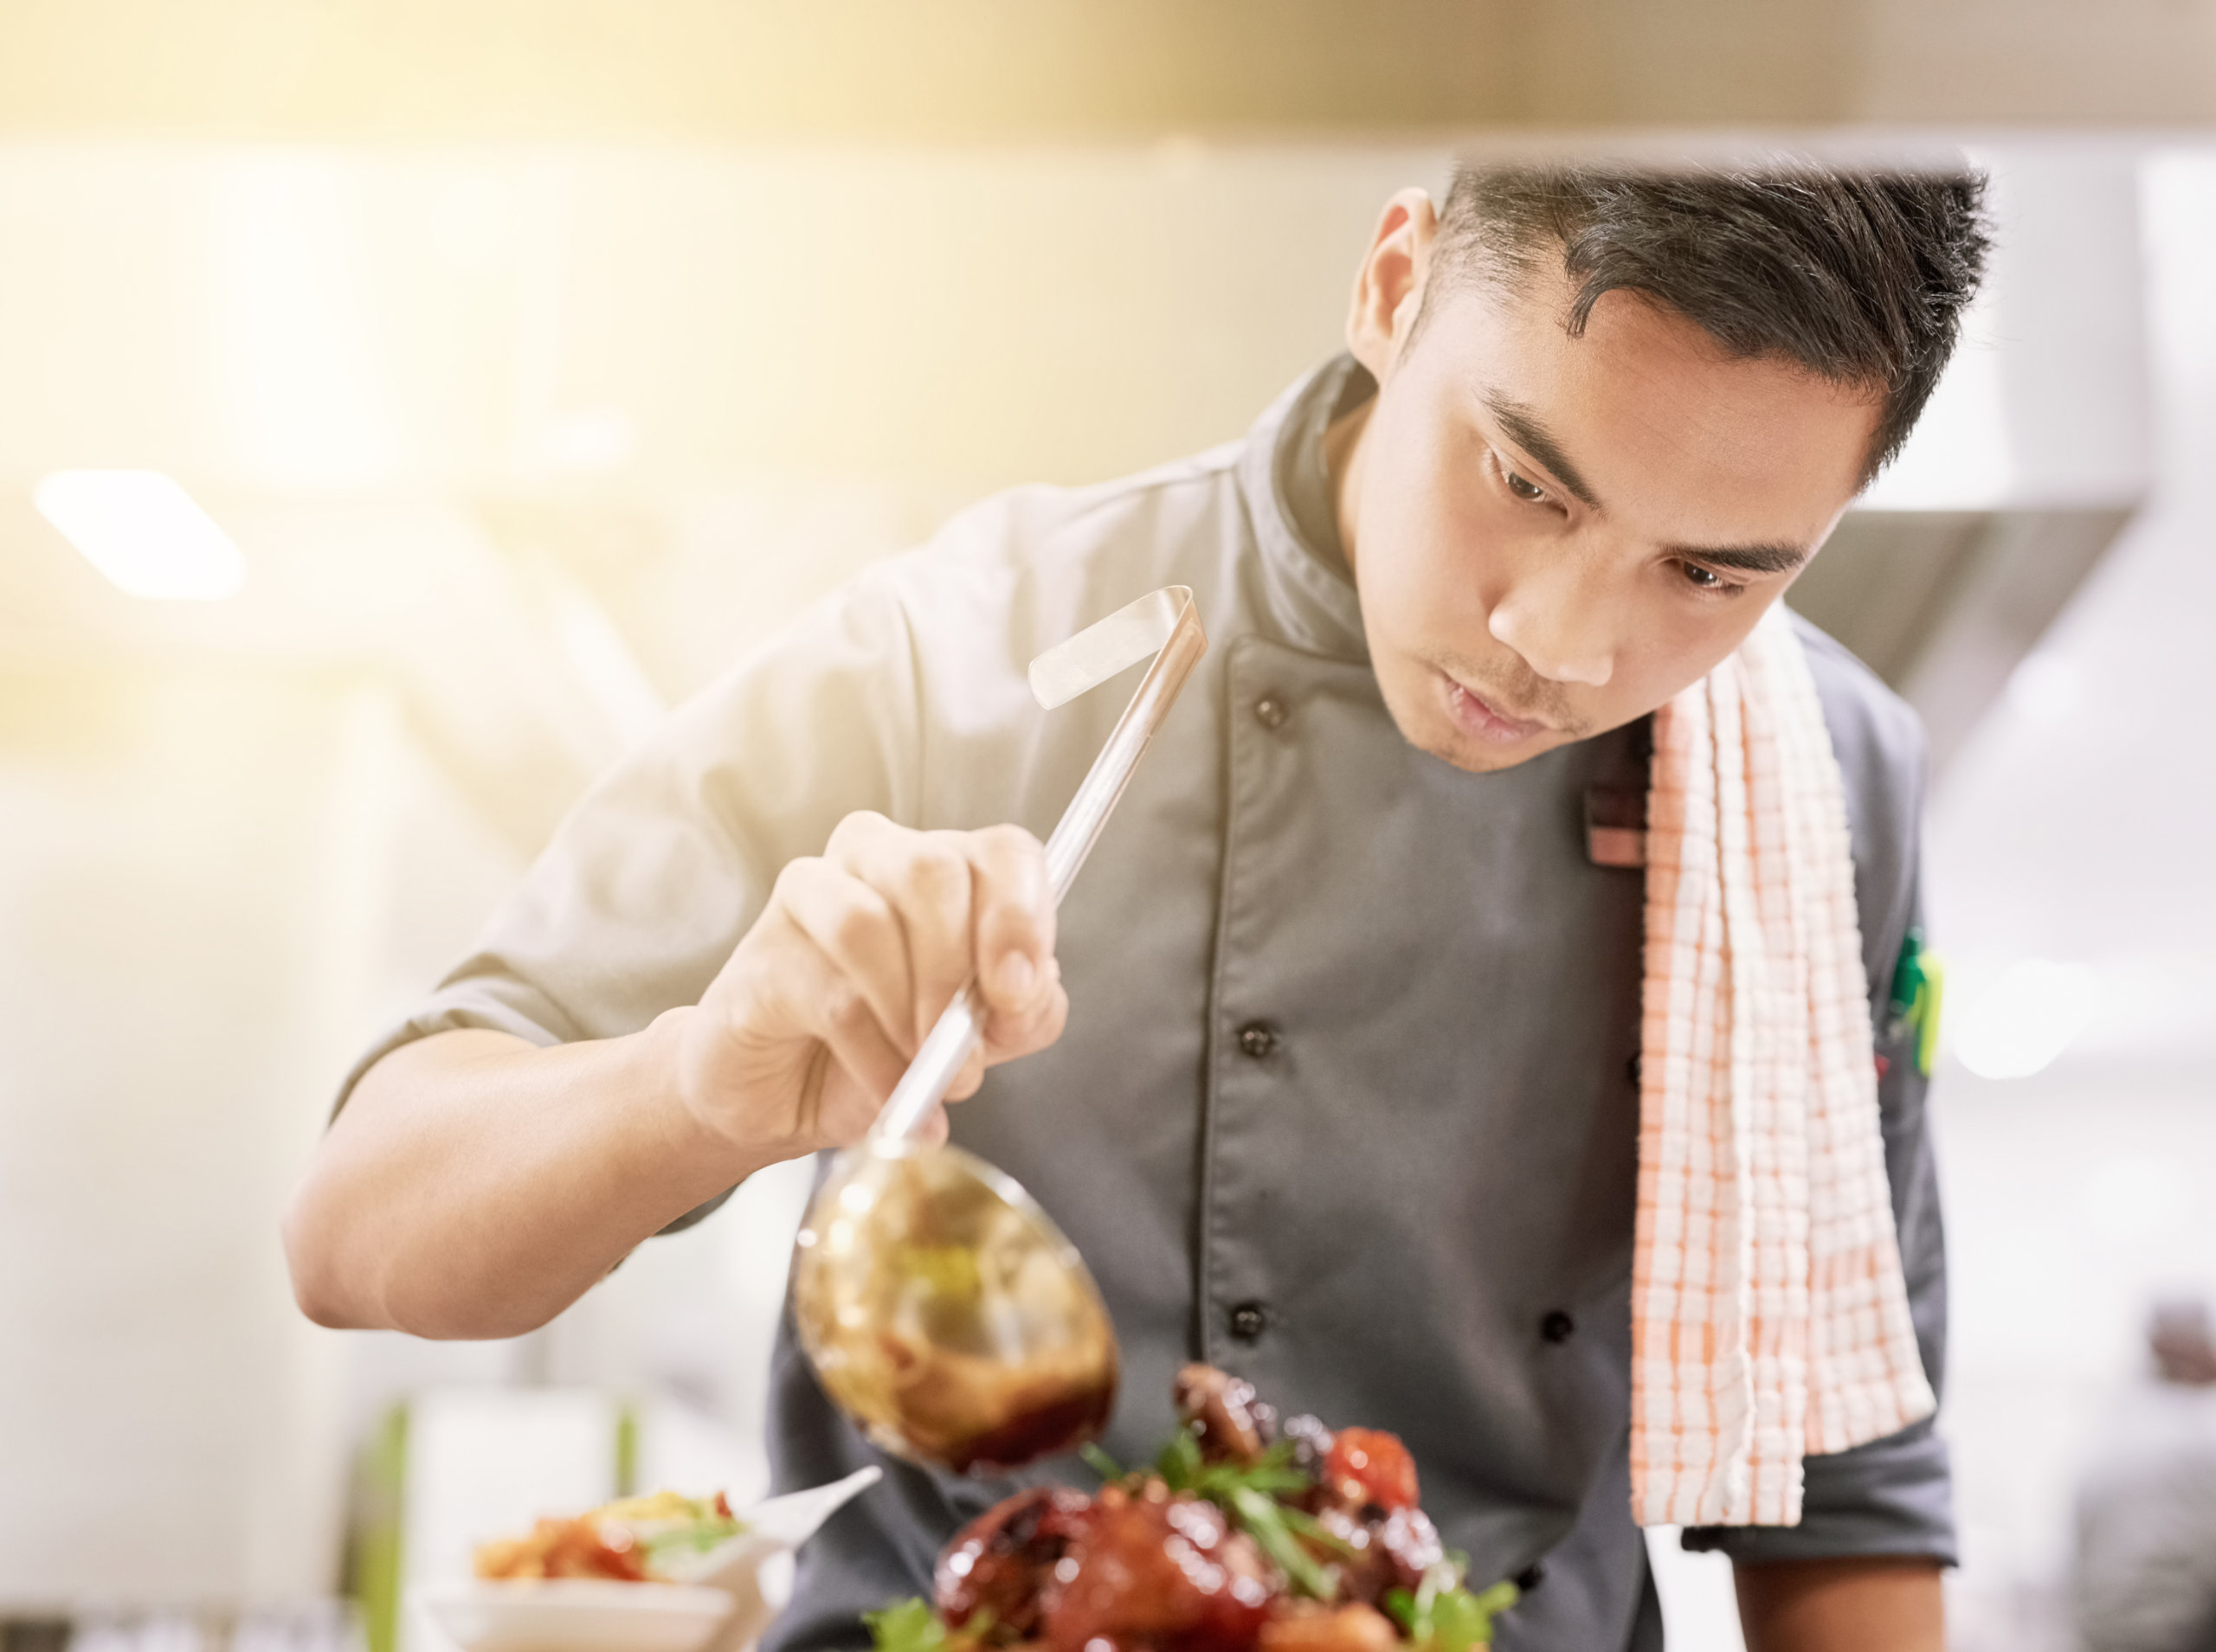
[(1224, 1414), (1365, 1496), (1152, 1570), (1002, 1562), (1223, 1549), (1344, 1629), (1381, 1552), (1160, 1570)]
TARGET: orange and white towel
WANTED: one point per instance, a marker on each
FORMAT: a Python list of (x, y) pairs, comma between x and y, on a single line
[(1769, 1318)]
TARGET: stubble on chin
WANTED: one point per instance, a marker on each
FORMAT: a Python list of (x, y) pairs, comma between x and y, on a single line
[(1424, 721)]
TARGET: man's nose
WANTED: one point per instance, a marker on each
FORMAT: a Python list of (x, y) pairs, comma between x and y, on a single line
[(1559, 627)]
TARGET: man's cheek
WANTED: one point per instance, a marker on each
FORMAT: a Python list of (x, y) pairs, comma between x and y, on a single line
[(1455, 579)]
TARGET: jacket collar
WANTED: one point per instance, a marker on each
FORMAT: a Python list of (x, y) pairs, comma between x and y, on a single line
[(1306, 590)]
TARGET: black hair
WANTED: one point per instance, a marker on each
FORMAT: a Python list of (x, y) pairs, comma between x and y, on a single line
[(1859, 276)]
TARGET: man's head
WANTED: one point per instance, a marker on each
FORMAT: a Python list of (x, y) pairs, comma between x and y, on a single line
[(1618, 410)]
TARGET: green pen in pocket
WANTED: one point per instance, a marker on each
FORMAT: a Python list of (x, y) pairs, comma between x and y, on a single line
[(1918, 979)]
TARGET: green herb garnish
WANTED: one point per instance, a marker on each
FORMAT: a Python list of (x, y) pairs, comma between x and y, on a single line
[(1263, 1518), (1183, 1468), (1100, 1463), (698, 1538), (1444, 1617), (1314, 1531), (1248, 1492), (911, 1626)]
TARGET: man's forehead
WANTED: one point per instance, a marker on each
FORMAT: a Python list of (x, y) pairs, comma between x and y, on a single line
[(1643, 407)]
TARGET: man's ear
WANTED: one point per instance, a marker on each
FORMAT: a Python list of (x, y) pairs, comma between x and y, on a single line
[(1389, 287)]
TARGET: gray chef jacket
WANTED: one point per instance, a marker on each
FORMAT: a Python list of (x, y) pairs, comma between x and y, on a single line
[(1347, 1103)]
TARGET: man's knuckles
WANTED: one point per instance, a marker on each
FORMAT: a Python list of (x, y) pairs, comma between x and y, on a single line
[(934, 874), (1020, 1033), (846, 1011), (1010, 848), (793, 880), (859, 926), (857, 833)]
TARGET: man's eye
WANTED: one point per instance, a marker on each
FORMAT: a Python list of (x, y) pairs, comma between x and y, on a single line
[(1707, 579), (1520, 488)]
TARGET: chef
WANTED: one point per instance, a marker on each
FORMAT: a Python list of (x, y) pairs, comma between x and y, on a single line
[(1329, 1064)]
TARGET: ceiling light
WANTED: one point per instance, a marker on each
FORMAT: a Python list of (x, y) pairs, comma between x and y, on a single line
[(2026, 1019), (144, 531)]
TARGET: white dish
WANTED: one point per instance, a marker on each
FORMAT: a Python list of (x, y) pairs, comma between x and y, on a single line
[(727, 1599), (577, 1614)]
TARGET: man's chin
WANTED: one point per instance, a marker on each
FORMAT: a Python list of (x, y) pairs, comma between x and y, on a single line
[(1436, 715), (1476, 757), (1432, 732)]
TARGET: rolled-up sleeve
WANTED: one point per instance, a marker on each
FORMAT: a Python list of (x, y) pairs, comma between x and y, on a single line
[(653, 878)]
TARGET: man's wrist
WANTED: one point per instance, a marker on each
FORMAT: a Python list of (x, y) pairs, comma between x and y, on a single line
[(688, 1137)]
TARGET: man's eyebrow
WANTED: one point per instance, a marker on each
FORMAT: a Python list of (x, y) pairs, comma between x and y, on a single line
[(1745, 559), (1525, 429)]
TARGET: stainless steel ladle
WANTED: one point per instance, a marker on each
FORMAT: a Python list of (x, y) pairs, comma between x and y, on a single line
[(943, 1310)]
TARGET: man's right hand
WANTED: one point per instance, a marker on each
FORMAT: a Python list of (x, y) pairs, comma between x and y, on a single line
[(476, 1184), (807, 1029)]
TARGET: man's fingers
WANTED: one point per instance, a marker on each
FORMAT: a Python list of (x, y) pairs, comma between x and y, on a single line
[(967, 1082), (970, 903), (856, 930), (964, 903), (849, 1027), (1020, 1033), (815, 1028), (1013, 914), (926, 878)]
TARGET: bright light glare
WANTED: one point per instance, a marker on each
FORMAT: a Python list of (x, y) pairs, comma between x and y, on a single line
[(2026, 1019), (143, 532)]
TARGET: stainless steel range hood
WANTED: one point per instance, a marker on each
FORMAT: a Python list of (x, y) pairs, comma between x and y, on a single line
[(2029, 466)]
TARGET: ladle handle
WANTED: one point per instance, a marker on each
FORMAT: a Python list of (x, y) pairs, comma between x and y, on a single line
[(948, 1045)]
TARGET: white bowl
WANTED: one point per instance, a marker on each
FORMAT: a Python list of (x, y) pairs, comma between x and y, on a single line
[(576, 1615), (727, 1598)]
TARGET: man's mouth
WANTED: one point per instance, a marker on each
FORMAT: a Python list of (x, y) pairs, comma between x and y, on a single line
[(1478, 716)]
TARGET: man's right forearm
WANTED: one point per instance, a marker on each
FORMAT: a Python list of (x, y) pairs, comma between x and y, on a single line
[(475, 1185)]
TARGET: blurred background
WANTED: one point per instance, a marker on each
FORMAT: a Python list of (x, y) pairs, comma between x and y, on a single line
[(515, 366)]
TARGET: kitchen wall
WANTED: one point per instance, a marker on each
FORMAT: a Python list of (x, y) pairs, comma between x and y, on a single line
[(193, 879)]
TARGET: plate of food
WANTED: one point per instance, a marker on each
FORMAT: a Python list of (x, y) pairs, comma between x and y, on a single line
[(1248, 1533), (665, 1573)]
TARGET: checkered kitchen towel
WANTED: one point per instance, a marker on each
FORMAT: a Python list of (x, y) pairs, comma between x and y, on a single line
[(1769, 1318)]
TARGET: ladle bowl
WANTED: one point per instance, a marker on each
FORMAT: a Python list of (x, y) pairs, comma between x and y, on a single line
[(947, 1314)]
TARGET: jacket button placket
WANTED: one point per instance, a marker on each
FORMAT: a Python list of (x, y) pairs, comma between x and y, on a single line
[(1239, 1314)]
